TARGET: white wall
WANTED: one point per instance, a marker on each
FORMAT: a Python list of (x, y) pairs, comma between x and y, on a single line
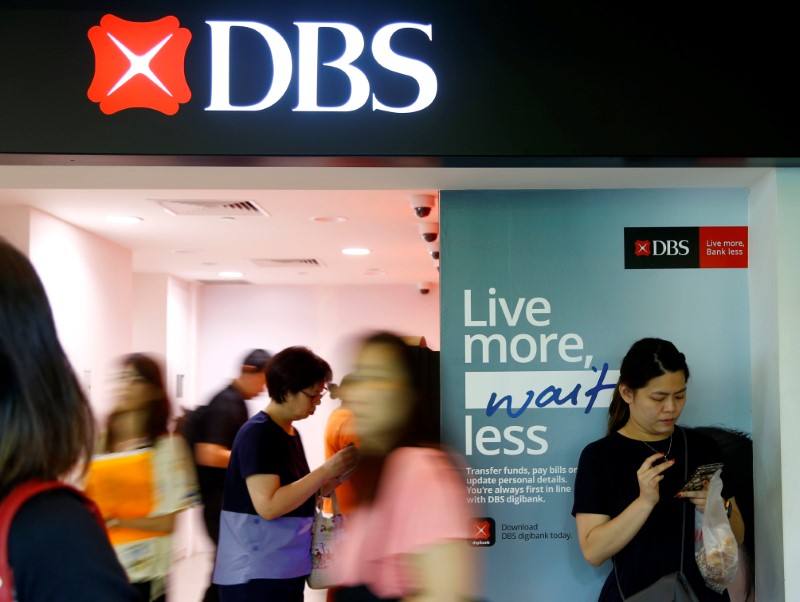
[(164, 324), (182, 312), (788, 296), (149, 326), (765, 356), (88, 282)]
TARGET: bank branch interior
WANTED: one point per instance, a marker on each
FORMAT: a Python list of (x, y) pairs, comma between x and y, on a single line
[(155, 286)]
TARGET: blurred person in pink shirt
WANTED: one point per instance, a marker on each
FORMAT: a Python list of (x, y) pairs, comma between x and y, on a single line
[(407, 537)]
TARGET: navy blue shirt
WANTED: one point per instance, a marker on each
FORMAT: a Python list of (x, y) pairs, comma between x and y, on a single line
[(249, 546)]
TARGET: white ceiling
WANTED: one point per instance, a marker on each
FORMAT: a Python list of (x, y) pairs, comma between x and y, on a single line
[(376, 202)]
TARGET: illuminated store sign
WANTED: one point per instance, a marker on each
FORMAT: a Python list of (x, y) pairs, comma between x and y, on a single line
[(403, 82), (141, 64)]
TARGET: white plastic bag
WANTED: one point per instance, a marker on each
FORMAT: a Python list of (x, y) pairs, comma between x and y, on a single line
[(715, 547)]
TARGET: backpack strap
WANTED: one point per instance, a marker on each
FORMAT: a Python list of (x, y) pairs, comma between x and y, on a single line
[(8, 509)]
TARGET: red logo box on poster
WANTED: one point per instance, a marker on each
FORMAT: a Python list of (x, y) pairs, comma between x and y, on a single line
[(723, 246)]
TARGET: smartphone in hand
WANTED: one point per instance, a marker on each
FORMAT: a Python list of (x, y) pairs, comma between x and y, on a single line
[(700, 474)]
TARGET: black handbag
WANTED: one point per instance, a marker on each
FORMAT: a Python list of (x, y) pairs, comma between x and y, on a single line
[(673, 587), (670, 588)]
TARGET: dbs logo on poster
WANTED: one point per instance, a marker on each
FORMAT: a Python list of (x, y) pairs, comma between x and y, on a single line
[(139, 65), (686, 247)]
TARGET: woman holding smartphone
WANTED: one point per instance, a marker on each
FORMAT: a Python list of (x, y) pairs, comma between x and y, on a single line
[(628, 503)]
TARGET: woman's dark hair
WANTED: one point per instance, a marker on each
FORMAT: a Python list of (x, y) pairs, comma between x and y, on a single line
[(159, 408), (46, 423), (422, 426), (294, 369), (647, 359)]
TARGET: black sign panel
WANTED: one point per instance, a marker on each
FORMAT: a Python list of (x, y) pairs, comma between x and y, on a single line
[(532, 83), (661, 248)]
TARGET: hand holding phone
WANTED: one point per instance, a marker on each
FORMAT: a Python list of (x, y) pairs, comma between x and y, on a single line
[(700, 474)]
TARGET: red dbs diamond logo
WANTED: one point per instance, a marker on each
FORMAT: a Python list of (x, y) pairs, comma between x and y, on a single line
[(139, 65), (481, 529), (642, 247)]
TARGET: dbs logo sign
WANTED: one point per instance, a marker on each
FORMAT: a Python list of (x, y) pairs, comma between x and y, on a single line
[(139, 65)]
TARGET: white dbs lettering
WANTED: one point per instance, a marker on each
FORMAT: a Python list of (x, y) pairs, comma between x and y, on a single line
[(221, 63), (387, 58), (307, 71), (308, 62)]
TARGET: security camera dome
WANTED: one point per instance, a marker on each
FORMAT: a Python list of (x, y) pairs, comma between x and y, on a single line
[(422, 204), (424, 287), (429, 231)]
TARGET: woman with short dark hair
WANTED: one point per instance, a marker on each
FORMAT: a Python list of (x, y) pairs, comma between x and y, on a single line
[(264, 550), (57, 549)]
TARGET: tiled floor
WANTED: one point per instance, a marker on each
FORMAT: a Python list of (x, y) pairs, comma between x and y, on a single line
[(190, 578)]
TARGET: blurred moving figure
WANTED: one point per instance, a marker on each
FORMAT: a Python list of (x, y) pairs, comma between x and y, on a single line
[(218, 423), (144, 476), (58, 551), (340, 433), (407, 538), (264, 548)]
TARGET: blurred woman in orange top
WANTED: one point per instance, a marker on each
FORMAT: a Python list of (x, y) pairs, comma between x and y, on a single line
[(144, 477)]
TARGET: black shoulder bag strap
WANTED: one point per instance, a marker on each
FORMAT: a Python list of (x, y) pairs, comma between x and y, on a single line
[(683, 526)]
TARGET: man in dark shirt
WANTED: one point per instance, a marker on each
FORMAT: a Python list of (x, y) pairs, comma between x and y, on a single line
[(221, 420)]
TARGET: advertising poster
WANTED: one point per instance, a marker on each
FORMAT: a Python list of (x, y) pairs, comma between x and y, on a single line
[(541, 298)]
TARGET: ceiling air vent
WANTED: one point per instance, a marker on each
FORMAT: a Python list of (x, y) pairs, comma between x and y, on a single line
[(288, 263), (224, 281), (212, 207)]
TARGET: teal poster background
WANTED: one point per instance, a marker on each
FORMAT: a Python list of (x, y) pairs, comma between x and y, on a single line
[(537, 313)]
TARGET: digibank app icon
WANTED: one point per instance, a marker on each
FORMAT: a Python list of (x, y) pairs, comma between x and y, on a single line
[(139, 65), (483, 531)]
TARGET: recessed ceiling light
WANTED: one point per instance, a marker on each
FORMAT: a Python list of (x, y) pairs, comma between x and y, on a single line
[(356, 251), (230, 274), (123, 219), (337, 219)]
